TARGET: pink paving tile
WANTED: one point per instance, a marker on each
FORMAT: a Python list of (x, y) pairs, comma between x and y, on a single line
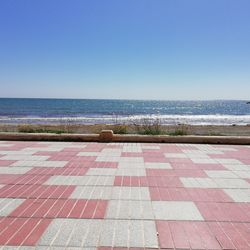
[(179, 160), (118, 181), (8, 178), (94, 147), (22, 232), (66, 209), (188, 194), (57, 171), (91, 164), (221, 236), (100, 210), (60, 158), (84, 159), (4, 223), (176, 172), (89, 209), (187, 147), (161, 159), (244, 230), (194, 237), (61, 192), (104, 165), (179, 236), (170, 148), (74, 164), (6, 163), (186, 235), (30, 179), (151, 181), (53, 208), (45, 153), (73, 150), (165, 236), (124, 248), (152, 153), (10, 229), (239, 241), (245, 161), (37, 232), (56, 208), (233, 212), (78, 209)]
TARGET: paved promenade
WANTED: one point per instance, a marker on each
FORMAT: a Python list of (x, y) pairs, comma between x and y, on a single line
[(56, 195)]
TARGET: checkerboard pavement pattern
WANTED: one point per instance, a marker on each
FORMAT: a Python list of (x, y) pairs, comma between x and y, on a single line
[(59, 195)]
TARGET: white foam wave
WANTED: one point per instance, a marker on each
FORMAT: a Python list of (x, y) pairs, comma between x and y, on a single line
[(111, 119)]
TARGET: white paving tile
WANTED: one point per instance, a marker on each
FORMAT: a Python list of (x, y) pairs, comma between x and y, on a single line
[(197, 155), (88, 154), (101, 171), (204, 161), (232, 183), (116, 152), (8, 205), (191, 182), (2, 144), (132, 149), (38, 149), (242, 174), (198, 152), (227, 149), (15, 152), (131, 160), (130, 193), (70, 233), (130, 172), (107, 158), (14, 170), (228, 161), (130, 209), (131, 165), (151, 147), (92, 192), (175, 155), (239, 195), (24, 157), (176, 210), (237, 167), (156, 165), (49, 164), (220, 174)]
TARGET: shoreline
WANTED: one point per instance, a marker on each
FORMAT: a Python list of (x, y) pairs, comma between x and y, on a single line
[(146, 129)]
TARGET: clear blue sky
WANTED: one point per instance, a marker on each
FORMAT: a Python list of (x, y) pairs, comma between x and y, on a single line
[(134, 49)]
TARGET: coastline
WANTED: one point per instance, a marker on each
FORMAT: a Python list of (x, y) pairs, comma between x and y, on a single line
[(151, 129)]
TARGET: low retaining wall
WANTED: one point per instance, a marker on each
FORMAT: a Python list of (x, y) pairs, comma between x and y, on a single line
[(108, 136)]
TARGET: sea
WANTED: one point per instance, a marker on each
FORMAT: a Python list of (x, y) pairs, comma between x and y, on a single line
[(99, 111)]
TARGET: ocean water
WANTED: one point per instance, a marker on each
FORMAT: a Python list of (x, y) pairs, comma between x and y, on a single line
[(87, 111)]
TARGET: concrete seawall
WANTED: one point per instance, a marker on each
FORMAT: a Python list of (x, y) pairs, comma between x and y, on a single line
[(108, 136)]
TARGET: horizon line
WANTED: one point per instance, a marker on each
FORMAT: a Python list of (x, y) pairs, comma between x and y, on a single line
[(123, 99)]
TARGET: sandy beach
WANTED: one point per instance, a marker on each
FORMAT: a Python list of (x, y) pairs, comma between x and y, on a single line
[(182, 129)]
